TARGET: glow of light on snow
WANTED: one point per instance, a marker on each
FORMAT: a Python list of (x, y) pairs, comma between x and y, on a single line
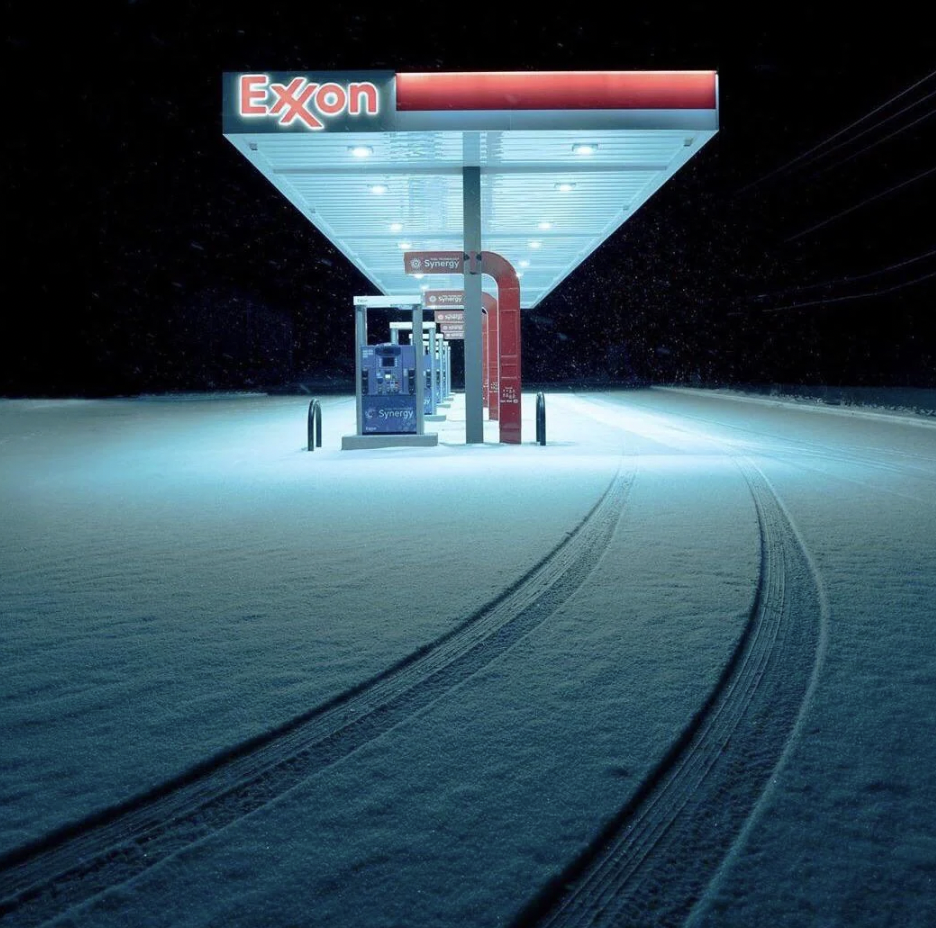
[(180, 575)]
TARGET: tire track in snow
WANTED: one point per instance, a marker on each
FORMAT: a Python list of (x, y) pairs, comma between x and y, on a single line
[(792, 451), (651, 864), (916, 466), (70, 866)]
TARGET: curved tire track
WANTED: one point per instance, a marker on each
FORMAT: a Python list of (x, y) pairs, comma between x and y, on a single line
[(921, 470), (44, 879), (651, 864)]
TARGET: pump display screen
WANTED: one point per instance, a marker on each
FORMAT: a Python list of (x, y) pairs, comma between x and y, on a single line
[(388, 361)]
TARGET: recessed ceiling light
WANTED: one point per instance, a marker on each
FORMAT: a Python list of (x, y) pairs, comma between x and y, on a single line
[(524, 263), (535, 244), (424, 286), (361, 151), (585, 148), (378, 188), (419, 276), (404, 245), (545, 225), (519, 273), (396, 226), (565, 186)]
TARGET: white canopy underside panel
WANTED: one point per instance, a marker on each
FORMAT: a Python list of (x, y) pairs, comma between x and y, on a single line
[(544, 207)]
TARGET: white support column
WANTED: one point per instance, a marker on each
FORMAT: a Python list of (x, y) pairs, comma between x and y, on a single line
[(433, 368), (417, 341), (360, 339), (474, 403)]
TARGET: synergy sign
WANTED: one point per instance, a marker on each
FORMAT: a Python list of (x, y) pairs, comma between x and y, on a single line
[(451, 323), (433, 298), (330, 100), (434, 262)]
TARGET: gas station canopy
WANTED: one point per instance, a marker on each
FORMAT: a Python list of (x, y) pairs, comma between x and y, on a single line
[(375, 159)]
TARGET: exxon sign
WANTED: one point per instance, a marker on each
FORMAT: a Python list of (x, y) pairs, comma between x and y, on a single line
[(325, 101)]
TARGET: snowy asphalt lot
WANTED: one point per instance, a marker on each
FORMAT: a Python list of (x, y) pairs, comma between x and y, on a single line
[(677, 667)]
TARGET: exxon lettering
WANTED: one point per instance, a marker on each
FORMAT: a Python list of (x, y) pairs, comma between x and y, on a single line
[(303, 100)]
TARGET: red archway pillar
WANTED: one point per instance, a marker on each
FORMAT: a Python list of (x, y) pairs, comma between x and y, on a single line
[(485, 356), (504, 386), (441, 300), (492, 355), (508, 339)]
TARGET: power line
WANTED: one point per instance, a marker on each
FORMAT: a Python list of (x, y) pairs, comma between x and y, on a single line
[(890, 135), (854, 296), (836, 135), (864, 202), (850, 278)]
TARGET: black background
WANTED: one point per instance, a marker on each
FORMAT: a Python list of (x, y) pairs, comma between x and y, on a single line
[(143, 253)]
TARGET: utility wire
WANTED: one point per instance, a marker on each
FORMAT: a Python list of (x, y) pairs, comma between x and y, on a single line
[(854, 296), (864, 202), (836, 135), (890, 135), (849, 279)]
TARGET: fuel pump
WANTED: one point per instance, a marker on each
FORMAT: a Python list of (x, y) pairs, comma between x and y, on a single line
[(388, 389), (438, 366), (448, 370), (389, 381), (442, 365), (432, 387)]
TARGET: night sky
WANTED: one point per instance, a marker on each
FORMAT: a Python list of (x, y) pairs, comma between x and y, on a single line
[(145, 254)]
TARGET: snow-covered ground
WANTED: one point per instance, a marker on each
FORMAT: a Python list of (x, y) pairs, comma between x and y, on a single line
[(677, 665), (888, 401)]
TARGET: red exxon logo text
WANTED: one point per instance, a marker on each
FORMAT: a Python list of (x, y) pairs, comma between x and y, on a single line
[(303, 100)]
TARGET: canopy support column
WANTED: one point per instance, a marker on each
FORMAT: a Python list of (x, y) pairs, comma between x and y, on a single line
[(474, 403), (360, 339)]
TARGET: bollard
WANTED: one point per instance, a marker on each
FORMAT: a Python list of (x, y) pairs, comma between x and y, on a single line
[(540, 419), (315, 425)]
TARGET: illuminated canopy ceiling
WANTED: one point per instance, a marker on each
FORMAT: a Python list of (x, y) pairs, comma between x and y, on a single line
[(374, 159)]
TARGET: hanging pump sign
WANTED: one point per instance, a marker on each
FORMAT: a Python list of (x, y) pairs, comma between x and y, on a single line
[(451, 323), (330, 101), (434, 262), (439, 298)]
